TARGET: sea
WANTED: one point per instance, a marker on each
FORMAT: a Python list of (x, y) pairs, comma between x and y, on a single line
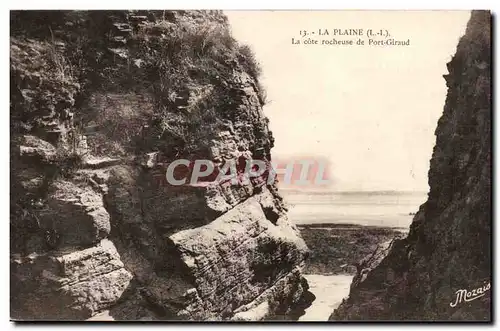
[(394, 209), (375, 208)]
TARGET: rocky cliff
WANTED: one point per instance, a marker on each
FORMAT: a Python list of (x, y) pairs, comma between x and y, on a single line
[(100, 102), (442, 270)]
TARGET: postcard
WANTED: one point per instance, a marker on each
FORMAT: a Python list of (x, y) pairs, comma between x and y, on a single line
[(252, 166)]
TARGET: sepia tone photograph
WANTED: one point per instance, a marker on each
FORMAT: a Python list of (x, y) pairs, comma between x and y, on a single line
[(250, 166)]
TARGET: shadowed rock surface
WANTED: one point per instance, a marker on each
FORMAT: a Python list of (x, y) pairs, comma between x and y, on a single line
[(101, 101), (448, 246)]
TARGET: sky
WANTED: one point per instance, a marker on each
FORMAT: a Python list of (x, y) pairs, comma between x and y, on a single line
[(371, 111)]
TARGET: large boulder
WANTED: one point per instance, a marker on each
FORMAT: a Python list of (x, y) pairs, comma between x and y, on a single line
[(68, 285), (96, 232)]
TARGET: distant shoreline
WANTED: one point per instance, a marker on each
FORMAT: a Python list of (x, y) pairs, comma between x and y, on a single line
[(322, 192), (342, 226)]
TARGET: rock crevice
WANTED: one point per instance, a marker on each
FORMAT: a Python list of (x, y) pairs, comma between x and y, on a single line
[(449, 243)]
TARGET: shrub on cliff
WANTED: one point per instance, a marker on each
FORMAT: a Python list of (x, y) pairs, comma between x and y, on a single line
[(188, 63), (249, 62), (192, 68)]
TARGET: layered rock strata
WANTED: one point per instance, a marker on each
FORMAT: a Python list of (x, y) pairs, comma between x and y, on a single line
[(100, 102)]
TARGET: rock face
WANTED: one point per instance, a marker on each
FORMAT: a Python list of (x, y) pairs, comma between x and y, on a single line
[(101, 101), (448, 246)]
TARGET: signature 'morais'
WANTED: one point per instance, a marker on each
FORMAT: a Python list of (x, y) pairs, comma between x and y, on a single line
[(464, 295)]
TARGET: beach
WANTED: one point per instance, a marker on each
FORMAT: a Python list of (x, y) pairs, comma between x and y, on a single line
[(329, 292)]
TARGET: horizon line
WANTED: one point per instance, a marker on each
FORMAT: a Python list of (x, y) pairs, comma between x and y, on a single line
[(351, 191)]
